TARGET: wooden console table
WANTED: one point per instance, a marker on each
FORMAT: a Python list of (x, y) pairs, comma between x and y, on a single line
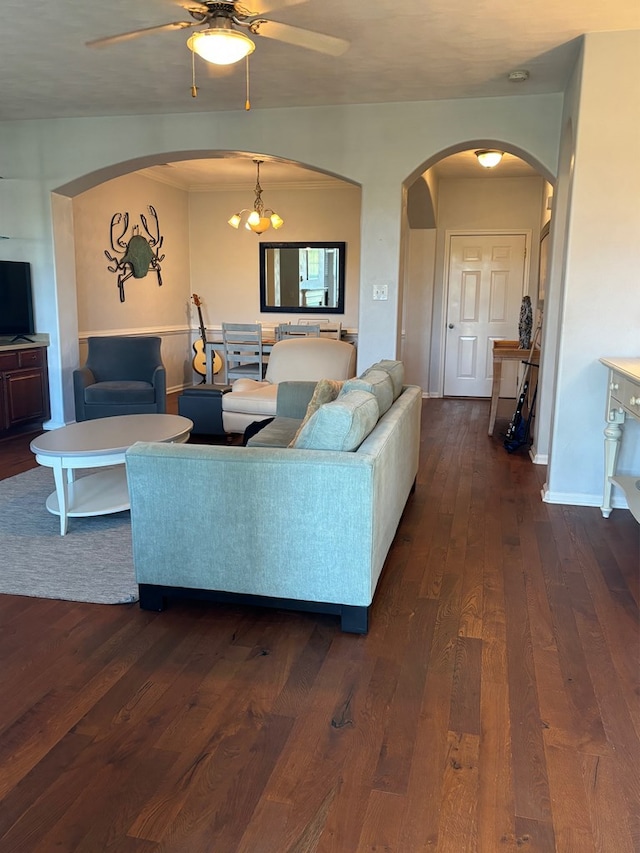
[(623, 401), (505, 351)]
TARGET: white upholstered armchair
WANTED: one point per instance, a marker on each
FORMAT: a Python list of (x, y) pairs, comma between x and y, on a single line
[(294, 359)]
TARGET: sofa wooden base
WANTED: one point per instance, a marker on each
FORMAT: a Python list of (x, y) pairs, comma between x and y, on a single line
[(353, 620)]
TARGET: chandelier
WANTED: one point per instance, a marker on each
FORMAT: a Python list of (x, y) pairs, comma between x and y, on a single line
[(259, 218)]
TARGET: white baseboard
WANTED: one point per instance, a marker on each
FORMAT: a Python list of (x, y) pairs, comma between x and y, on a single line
[(538, 458), (577, 499)]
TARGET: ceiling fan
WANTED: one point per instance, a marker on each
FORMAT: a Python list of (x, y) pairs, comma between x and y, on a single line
[(222, 41)]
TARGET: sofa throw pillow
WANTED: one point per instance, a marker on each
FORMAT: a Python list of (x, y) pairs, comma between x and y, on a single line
[(395, 369), (377, 382), (325, 391), (340, 425)]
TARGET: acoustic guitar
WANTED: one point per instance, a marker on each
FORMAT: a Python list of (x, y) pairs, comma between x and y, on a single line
[(199, 362)]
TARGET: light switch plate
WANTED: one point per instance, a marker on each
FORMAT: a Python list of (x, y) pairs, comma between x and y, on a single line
[(380, 291)]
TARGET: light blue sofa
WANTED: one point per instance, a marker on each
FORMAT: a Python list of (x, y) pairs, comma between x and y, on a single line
[(280, 526)]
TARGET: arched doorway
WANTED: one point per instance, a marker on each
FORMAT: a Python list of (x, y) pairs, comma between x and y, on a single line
[(203, 254), (452, 195)]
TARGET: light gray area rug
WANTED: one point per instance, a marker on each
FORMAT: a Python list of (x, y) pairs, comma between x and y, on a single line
[(93, 562)]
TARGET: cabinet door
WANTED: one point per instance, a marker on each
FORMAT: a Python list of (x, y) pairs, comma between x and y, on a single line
[(24, 395), (4, 424)]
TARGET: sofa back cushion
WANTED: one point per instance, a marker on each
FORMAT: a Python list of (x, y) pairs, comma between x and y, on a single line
[(377, 382), (395, 369), (311, 359), (340, 425), (293, 399), (326, 391)]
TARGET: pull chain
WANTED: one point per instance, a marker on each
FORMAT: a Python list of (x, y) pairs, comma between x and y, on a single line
[(247, 103), (194, 88)]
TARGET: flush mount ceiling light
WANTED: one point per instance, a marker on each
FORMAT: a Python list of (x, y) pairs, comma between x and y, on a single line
[(259, 219), (518, 76), (489, 158), (221, 45)]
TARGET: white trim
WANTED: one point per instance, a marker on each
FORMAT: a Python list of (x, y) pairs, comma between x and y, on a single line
[(165, 331), (577, 499), (538, 458)]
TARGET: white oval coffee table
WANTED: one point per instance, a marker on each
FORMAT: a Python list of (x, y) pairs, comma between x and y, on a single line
[(99, 443)]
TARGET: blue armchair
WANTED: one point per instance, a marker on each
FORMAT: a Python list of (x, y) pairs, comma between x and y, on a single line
[(122, 376)]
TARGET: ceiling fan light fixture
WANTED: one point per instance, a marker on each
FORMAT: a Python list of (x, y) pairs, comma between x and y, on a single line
[(489, 158), (221, 46)]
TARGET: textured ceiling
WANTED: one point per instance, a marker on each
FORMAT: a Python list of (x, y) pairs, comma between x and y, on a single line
[(399, 51)]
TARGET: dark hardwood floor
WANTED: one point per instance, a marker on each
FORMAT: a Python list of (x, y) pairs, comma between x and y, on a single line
[(493, 706)]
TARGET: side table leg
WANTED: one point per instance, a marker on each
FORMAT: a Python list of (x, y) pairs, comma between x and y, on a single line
[(62, 491), (612, 438), (495, 394)]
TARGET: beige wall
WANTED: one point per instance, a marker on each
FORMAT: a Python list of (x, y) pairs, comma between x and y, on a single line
[(146, 304), (418, 304), (225, 262)]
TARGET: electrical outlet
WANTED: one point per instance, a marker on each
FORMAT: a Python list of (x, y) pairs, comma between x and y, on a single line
[(380, 291)]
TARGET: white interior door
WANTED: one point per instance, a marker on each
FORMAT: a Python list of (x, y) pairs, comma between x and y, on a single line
[(486, 285)]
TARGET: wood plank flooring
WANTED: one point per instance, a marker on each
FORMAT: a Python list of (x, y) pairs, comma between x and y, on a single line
[(493, 706)]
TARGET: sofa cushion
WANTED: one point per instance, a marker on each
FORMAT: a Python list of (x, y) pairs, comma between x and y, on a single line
[(342, 424), (293, 399), (326, 391), (395, 369), (277, 433), (377, 382)]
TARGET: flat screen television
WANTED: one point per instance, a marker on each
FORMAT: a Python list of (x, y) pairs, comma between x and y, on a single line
[(16, 303)]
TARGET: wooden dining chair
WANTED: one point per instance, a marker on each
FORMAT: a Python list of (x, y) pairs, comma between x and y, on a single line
[(328, 329), (292, 330), (243, 351)]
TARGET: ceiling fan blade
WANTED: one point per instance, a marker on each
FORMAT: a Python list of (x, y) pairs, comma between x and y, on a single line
[(303, 38), (193, 5), (107, 40), (261, 7)]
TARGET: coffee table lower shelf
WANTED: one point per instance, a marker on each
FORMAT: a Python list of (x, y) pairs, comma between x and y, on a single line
[(97, 494)]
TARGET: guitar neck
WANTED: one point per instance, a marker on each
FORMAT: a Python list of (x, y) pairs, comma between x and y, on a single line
[(203, 331)]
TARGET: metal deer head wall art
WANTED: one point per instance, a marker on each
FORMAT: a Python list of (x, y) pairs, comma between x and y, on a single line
[(137, 255)]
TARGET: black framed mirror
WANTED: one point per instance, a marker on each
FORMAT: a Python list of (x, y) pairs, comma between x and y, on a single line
[(302, 277)]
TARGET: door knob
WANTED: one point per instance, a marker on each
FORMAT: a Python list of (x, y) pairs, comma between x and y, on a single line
[(451, 325)]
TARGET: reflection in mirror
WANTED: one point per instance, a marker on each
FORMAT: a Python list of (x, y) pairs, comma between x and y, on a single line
[(299, 277)]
